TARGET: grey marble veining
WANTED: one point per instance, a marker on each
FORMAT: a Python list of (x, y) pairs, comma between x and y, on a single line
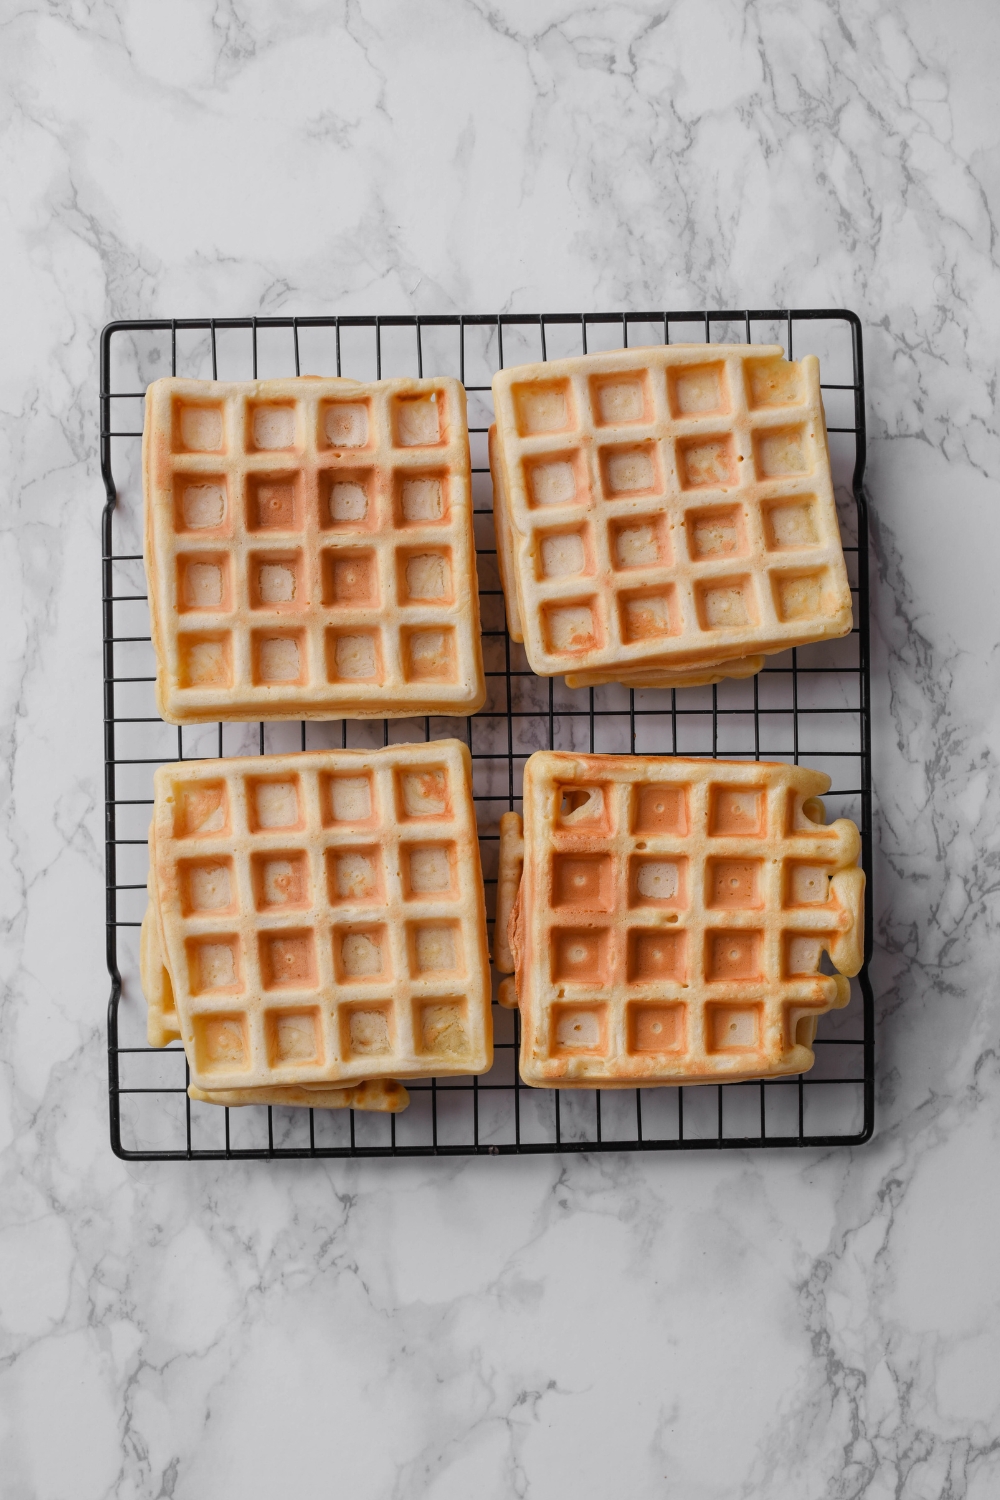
[(709, 1327)]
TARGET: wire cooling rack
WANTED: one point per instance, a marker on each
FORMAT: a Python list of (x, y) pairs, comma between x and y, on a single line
[(808, 706)]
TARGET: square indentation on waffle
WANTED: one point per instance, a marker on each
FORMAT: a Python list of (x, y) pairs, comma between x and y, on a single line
[(322, 914), (288, 959), (429, 655), (205, 659), (732, 955), (699, 468), (579, 1030), (440, 1029), (732, 1028), (670, 913), (544, 406), (198, 424), (349, 501), (345, 506), (802, 952), (557, 479), (734, 884), (773, 382), (715, 532), (639, 542), (367, 1031), (201, 504), (726, 604), (294, 1037), (424, 793), (656, 954), (659, 880), (281, 880), (221, 1043), (790, 524), (649, 614), (200, 807), (354, 654), (422, 499), (583, 881), (806, 884), (583, 808), (621, 399), (275, 503), (630, 469), (350, 578), (420, 419), (279, 656), (435, 950), (566, 552), (707, 462), (800, 595), (354, 876), (655, 1029), (277, 581), (428, 871), (424, 576), (573, 627), (659, 808), (362, 954), (271, 426), (698, 390), (348, 800), (208, 886), (581, 955), (737, 811), (346, 423), (274, 802), (780, 452), (214, 965)]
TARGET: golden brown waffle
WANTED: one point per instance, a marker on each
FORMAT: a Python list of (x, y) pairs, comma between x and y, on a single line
[(309, 549), (667, 508), (670, 917), (317, 920)]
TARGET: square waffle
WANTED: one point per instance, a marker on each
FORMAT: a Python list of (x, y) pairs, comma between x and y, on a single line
[(665, 918), (309, 549), (317, 920), (666, 511)]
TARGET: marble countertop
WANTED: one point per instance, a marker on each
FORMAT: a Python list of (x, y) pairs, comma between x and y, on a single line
[(709, 1326)]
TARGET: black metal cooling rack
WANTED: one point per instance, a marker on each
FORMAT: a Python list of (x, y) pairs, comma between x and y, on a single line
[(810, 705)]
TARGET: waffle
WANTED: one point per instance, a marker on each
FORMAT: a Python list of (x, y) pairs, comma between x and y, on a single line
[(670, 918), (309, 549), (163, 1028), (653, 677), (381, 1094), (316, 922), (666, 509)]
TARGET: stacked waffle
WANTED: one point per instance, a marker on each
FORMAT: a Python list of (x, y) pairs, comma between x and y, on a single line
[(316, 926), (665, 516), (309, 549), (665, 919)]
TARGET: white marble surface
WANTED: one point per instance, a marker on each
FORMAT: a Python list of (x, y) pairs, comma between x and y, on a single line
[(706, 1327)]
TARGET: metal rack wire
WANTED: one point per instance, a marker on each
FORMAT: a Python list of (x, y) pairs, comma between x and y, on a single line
[(810, 705)]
